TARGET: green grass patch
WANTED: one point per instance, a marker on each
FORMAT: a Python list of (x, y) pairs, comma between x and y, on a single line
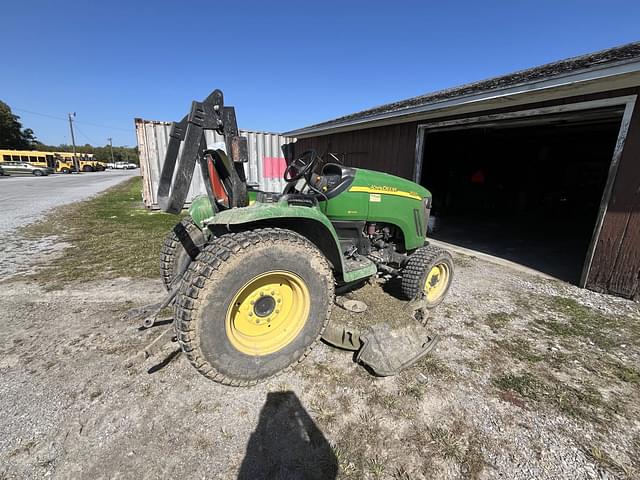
[(572, 319), (520, 349), (498, 320), (585, 402), (526, 385), (111, 235), (624, 373)]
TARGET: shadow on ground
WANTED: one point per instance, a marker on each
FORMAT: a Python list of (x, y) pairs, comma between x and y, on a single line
[(287, 444)]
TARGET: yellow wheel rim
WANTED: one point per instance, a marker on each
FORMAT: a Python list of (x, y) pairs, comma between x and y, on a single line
[(437, 281), (268, 313)]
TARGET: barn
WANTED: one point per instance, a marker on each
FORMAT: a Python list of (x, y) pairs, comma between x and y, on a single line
[(540, 167)]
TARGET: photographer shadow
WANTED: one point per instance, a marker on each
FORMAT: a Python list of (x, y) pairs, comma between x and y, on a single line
[(287, 444)]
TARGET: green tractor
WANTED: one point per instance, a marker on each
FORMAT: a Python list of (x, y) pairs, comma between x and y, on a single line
[(253, 275)]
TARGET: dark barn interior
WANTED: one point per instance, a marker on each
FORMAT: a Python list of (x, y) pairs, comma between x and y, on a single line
[(527, 190)]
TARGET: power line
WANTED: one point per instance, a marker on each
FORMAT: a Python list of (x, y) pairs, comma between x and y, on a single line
[(85, 135), (77, 121)]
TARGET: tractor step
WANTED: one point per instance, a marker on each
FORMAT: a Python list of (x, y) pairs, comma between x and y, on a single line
[(358, 268)]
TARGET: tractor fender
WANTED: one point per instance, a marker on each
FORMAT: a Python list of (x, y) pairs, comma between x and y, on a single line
[(307, 221)]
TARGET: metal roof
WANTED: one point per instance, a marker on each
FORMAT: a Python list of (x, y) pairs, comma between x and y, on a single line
[(598, 65)]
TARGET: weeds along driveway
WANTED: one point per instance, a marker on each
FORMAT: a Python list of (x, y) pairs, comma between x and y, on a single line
[(28, 199), (532, 379)]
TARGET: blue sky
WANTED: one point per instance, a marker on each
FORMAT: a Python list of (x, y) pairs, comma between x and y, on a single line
[(283, 65)]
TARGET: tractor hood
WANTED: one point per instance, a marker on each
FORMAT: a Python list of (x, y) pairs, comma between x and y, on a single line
[(369, 181)]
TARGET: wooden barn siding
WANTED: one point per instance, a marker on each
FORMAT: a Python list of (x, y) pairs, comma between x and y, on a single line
[(389, 148), (616, 262)]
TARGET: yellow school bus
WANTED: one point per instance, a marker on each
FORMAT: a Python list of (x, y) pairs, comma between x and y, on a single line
[(86, 161), (64, 165), (45, 160)]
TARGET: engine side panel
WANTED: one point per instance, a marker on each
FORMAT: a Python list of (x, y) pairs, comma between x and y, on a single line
[(384, 198)]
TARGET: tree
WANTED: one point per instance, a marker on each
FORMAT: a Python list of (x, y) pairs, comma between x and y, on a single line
[(11, 133), (129, 154)]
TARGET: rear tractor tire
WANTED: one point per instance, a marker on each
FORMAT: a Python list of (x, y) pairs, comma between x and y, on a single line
[(428, 272), (181, 246), (253, 304)]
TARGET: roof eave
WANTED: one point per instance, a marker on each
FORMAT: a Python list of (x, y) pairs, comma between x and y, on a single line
[(579, 76)]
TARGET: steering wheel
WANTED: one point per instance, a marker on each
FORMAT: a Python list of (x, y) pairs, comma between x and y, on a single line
[(301, 166)]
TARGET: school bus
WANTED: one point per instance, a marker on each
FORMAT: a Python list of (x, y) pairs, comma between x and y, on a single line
[(86, 161), (46, 160), (64, 165)]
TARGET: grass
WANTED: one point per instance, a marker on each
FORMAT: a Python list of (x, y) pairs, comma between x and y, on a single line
[(498, 320), (624, 373), (571, 319), (111, 235), (446, 443), (584, 402), (520, 349), (605, 461), (527, 385)]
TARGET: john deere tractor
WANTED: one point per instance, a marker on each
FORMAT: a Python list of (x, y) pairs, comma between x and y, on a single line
[(254, 280)]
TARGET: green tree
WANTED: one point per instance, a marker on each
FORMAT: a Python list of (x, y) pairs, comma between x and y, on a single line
[(127, 154), (12, 135)]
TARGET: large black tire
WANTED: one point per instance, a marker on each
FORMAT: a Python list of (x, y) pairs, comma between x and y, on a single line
[(209, 296), (416, 272), (181, 246), (38, 173)]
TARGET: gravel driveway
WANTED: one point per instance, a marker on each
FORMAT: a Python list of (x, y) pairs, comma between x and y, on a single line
[(25, 199), (515, 389)]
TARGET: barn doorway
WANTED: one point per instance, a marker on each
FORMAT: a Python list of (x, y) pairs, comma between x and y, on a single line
[(525, 189)]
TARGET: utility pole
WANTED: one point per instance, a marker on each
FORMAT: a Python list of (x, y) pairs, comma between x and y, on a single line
[(76, 163), (111, 148)]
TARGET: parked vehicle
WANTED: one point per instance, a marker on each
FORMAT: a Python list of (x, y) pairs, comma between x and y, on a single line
[(87, 166), (43, 160), (253, 285), (24, 169), (124, 166), (85, 161), (3, 173), (64, 167), (111, 165)]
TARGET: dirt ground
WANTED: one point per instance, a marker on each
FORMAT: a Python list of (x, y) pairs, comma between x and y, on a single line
[(531, 379)]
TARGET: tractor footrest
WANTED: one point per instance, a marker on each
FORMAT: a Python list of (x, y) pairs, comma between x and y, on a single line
[(387, 351)]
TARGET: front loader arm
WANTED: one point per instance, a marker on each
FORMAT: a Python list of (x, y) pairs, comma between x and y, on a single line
[(187, 145)]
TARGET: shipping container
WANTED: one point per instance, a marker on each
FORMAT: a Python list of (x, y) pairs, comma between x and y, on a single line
[(263, 170)]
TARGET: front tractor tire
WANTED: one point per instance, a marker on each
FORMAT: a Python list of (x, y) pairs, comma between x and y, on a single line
[(428, 273), (253, 304), (181, 246)]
